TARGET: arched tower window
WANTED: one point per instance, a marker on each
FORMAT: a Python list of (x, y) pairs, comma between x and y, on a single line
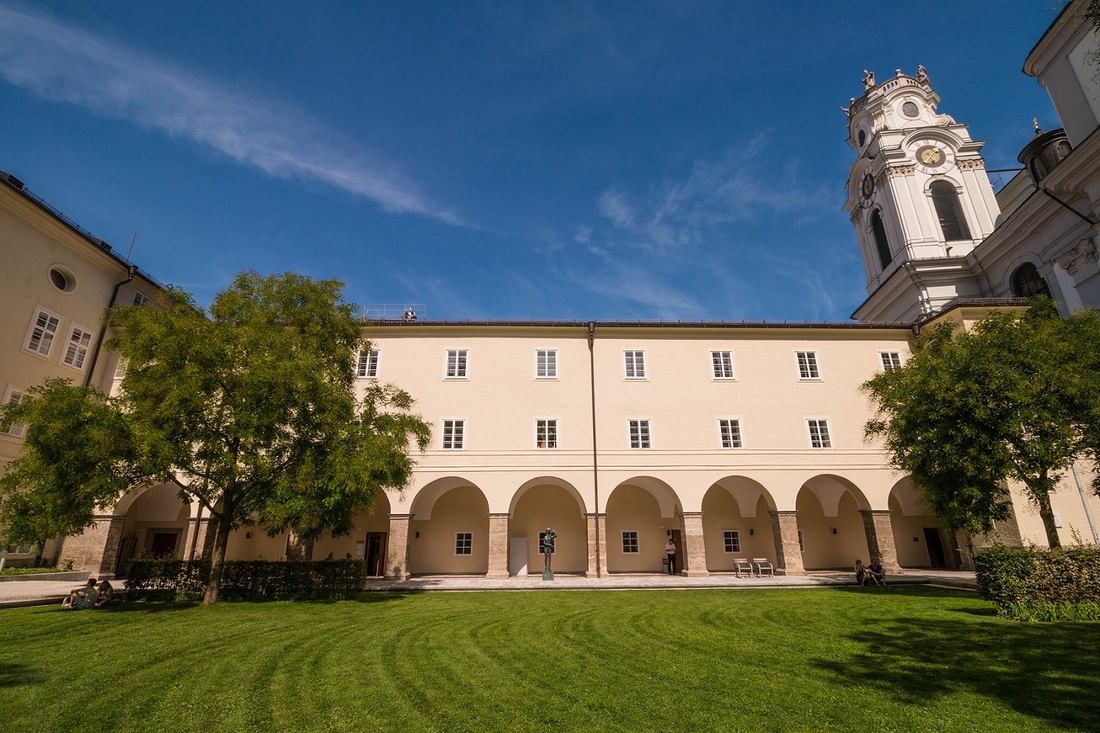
[(878, 231), (949, 211), (1027, 281)]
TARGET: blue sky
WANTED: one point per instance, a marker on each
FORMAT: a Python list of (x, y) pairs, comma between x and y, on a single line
[(493, 160)]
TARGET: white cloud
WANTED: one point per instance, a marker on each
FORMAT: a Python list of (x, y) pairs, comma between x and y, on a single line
[(65, 64)]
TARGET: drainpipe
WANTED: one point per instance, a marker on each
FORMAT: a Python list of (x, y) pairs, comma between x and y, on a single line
[(595, 461), (1085, 503), (103, 329)]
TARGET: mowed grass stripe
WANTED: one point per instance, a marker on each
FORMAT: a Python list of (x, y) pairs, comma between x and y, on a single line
[(896, 658)]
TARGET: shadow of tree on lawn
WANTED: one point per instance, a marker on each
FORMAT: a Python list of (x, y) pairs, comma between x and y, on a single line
[(1046, 671), (12, 675)]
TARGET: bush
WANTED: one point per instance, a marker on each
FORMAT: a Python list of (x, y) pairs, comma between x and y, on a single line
[(1033, 584), (167, 580)]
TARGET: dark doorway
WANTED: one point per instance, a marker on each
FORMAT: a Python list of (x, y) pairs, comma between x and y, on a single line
[(376, 553), (935, 547), (675, 535), (164, 544)]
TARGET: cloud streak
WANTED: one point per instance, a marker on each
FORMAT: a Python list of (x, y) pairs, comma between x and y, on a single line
[(65, 64)]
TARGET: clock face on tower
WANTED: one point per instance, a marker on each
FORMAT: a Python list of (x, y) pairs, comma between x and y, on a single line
[(867, 188), (930, 157)]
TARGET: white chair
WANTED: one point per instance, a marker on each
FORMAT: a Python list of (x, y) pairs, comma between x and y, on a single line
[(741, 565), (763, 565)]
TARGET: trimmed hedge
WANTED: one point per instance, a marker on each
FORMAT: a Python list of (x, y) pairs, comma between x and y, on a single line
[(1034, 584), (167, 580)]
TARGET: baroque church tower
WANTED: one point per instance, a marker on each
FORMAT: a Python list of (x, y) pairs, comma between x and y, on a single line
[(919, 198)]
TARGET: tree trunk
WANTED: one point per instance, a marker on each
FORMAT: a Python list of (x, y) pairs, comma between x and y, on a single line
[(1047, 513), (217, 561)]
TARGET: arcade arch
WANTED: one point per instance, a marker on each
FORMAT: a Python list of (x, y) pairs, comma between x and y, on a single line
[(737, 523), (641, 513), (538, 504), (449, 531), (831, 527), (154, 525), (921, 540)]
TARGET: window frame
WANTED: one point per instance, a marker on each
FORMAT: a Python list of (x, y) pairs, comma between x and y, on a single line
[(630, 545), (458, 366), (891, 360), (820, 436), (546, 427), (453, 434), (732, 424), (641, 427), (13, 395), (464, 544), (140, 299), (809, 370), (726, 357), (731, 541), (76, 350), (45, 331), (546, 363), (634, 364), (368, 369)]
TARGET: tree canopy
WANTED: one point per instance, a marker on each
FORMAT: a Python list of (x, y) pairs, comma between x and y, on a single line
[(251, 409), (1016, 397)]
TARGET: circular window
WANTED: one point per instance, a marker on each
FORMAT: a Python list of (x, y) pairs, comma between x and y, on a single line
[(910, 109), (62, 279)]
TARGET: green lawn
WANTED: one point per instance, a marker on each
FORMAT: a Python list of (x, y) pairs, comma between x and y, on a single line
[(900, 658)]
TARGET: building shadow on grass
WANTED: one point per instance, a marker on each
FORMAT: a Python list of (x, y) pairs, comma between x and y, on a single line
[(1047, 671)]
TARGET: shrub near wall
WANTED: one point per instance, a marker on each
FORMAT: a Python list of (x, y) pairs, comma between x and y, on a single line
[(166, 580), (1033, 584)]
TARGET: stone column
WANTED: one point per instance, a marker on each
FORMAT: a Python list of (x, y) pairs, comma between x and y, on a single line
[(199, 540), (498, 546), (96, 548), (397, 547), (788, 555), (694, 550), (597, 559), (880, 538)]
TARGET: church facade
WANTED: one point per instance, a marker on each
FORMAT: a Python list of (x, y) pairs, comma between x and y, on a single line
[(735, 440)]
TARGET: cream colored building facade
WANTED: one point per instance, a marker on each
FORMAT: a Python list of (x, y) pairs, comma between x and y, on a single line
[(735, 440)]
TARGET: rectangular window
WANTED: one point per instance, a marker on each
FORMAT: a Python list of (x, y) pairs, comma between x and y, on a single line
[(731, 540), (456, 363), (42, 333), (730, 430), (367, 364), (891, 360), (120, 368), (630, 543), (546, 433), (453, 433), (635, 364), (14, 397), (141, 298), (546, 363), (807, 365), (464, 543), (639, 434), (553, 544), (722, 361), (77, 350), (819, 434)]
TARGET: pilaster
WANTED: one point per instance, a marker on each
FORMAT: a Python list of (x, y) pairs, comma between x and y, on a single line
[(694, 549), (96, 548), (498, 546), (397, 547), (788, 555), (199, 539), (880, 538), (597, 562)]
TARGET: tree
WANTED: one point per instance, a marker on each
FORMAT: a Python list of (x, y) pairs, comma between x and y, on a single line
[(79, 453), (251, 409), (1016, 397)]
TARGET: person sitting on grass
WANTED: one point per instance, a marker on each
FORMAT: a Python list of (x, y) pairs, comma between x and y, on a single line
[(876, 574), (106, 594), (861, 573), (82, 598)]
